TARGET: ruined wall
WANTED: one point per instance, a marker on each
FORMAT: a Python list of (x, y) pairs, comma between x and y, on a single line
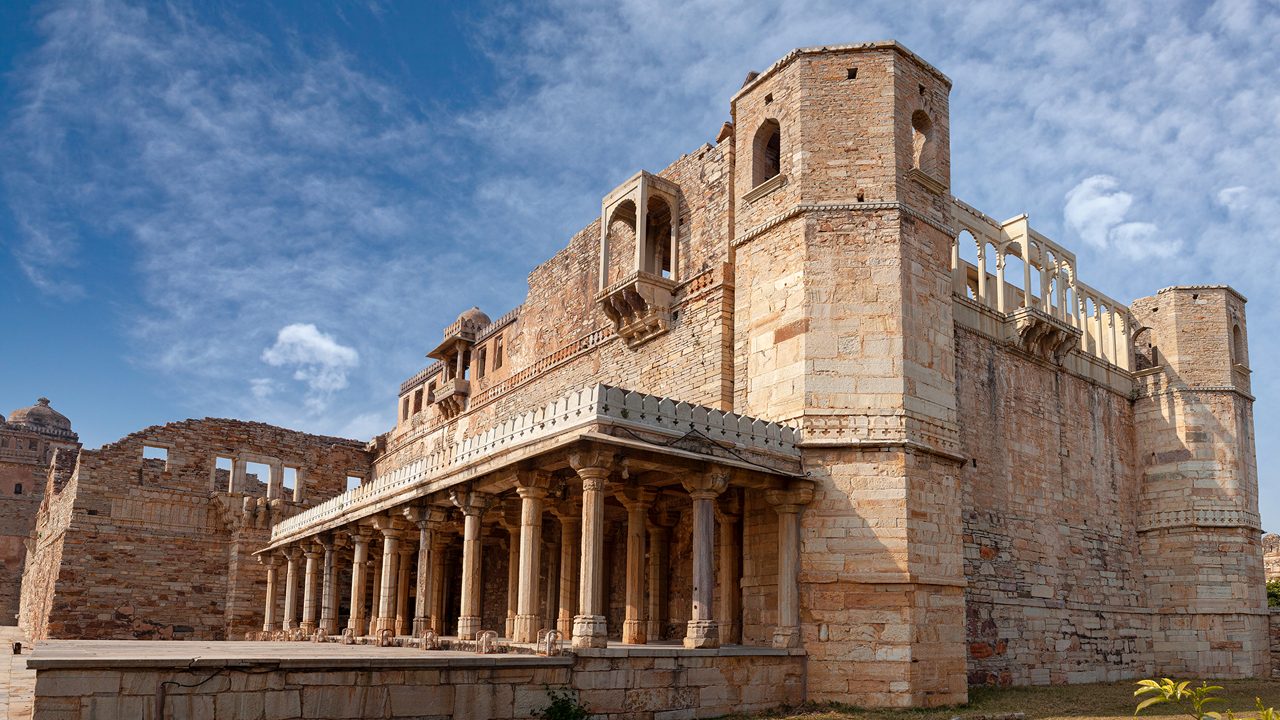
[(1271, 556), (148, 548), (1055, 591)]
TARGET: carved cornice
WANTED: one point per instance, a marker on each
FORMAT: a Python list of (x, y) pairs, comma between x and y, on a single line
[(1201, 517)]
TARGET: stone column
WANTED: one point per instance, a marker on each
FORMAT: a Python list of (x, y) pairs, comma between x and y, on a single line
[(437, 583), (272, 561), (290, 589), (551, 555), (329, 588), (510, 521), (532, 488), (569, 512), (590, 628), (375, 592), (402, 589), (310, 594), (729, 512), (359, 567), (788, 504), (659, 553), (473, 505), (702, 630), (387, 593), (636, 500), (426, 519)]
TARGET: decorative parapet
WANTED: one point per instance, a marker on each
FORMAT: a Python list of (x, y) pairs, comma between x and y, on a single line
[(639, 306), (1041, 334), (592, 405), (1201, 517)]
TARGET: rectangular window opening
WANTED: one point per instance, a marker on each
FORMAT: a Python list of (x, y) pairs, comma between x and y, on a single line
[(417, 401), (497, 352), (222, 467), (151, 452), (853, 73), (257, 477), (289, 480), (353, 482), (481, 357)]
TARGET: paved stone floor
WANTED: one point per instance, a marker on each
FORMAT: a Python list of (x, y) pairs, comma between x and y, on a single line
[(17, 688)]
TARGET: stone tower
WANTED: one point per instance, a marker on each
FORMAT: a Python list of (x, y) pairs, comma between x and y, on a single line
[(843, 321), (1198, 521)]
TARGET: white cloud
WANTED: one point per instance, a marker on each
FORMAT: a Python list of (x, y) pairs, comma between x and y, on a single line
[(1096, 208), (1234, 198), (316, 358)]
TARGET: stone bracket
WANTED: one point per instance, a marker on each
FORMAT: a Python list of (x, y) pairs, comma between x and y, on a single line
[(1041, 334), (639, 307)]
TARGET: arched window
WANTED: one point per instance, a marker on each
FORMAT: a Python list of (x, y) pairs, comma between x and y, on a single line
[(1237, 345), (766, 152), (922, 142)]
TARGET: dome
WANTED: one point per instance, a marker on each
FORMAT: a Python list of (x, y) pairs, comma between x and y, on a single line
[(474, 317), (40, 416)]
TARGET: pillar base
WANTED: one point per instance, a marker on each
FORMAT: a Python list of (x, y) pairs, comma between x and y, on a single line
[(356, 625), (564, 624), (786, 637), (384, 623), (653, 630), (702, 634), (634, 632), (421, 625), (307, 627), (287, 625), (590, 631), (268, 627), (510, 627), (329, 627), (526, 628), (468, 627)]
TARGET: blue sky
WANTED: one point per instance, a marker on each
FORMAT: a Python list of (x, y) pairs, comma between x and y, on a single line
[(269, 210)]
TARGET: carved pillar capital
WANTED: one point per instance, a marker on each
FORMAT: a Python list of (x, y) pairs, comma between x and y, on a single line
[(269, 559), (707, 485), (592, 462), (634, 496), (729, 507), (792, 498), (471, 502)]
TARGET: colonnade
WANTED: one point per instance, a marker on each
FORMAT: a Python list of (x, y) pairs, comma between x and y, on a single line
[(576, 604)]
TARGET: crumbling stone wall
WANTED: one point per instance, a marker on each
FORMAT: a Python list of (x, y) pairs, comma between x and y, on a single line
[(127, 547)]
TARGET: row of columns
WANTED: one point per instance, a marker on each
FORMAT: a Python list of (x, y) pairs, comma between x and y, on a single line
[(581, 592)]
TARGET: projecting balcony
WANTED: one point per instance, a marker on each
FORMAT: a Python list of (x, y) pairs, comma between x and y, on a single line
[(452, 396), (639, 306), (1041, 334)]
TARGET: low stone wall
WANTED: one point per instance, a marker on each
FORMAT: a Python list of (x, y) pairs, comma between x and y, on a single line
[(1274, 631), (287, 681)]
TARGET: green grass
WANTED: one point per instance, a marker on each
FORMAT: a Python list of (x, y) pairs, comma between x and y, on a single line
[(1104, 701)]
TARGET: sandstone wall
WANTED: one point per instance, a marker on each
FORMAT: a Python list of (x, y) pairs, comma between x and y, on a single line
[(149, 548)]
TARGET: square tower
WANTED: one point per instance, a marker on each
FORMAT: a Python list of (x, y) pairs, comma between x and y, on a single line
[(843, 326)]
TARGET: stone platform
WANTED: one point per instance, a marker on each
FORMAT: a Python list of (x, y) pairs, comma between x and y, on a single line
[(282, 681)]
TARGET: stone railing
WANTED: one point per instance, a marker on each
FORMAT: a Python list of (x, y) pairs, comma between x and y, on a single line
[(594, 404)]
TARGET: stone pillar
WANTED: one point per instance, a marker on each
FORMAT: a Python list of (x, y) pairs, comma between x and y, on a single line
[(359, 568), (590, 628), (510, 522), (659, 554), (310, 594), (329, 588), (402, 589), (437, 583), (729, 512), (702, 630), (788, 504), (569, 512), (387, 593), (473, 505), (239, 476), (426, 519), (532, 488), (636, 500), (375, 592), (290, 589), (272, 561)]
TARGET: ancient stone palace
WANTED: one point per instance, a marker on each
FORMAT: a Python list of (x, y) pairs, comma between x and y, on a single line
[(790, 422)]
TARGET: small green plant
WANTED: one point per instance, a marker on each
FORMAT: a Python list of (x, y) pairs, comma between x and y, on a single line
[(1182, 694), (564, 706), (1273, 593)]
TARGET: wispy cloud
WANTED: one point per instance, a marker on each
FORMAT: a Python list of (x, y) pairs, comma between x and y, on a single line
[(1096, 210), (318, 360)]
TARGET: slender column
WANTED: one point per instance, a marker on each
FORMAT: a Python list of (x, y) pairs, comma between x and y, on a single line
[(437, 584), (329, 588), (1026, 273), (659, 552), (702, 630), (375, 592), (510, 521), (636, 500), (532, 488), (958, 280), (239, 476), (473, 505), (272, 561), (590, 628), (310, 596), (290, 589), (426, 519), (788, 504), (982, 274), (551, 553), (729, 511), (570, 515), (402, 589), (387, 593), (359, 568), (1002, 299)]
